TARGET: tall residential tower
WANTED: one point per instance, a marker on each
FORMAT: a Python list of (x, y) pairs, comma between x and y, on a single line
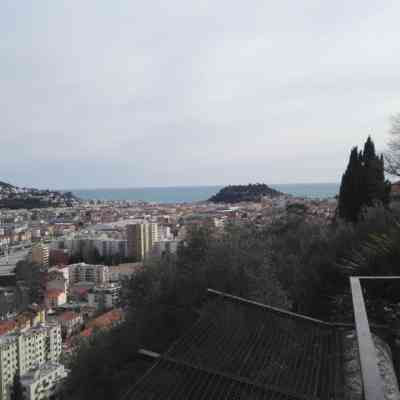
[(140, 238)]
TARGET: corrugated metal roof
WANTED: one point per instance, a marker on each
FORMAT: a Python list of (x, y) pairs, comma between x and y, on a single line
[(241, 350)]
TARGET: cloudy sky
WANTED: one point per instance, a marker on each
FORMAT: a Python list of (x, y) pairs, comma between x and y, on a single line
[(100, 93)]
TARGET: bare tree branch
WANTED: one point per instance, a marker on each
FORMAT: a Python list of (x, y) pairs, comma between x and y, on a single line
[(392, 156)]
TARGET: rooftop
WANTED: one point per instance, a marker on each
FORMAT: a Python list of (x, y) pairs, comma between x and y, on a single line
[(244, 350), (107, 319), (68, 316), (41, 372), (7, 326), (54, 292)]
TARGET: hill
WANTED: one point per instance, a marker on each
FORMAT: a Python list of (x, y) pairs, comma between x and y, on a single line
[(5, 185), (14, 197), (239, 193)]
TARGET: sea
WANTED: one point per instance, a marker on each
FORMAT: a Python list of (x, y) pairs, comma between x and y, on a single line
[(190, 194)]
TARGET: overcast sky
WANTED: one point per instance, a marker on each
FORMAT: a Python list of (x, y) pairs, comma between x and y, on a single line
[(100, 93)]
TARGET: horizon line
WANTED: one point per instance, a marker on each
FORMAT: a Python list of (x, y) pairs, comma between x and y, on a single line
[(195, 186)]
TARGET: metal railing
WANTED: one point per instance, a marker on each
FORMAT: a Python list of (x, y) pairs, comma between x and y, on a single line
[(371, 376)]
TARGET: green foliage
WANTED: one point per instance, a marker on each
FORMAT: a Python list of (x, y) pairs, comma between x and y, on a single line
[(34, 277), (14, 203), (291, 264), (363, 183), (238, 193), (165, 300), (105, 364), (306, 257)]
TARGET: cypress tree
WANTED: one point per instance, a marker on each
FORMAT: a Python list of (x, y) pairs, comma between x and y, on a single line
[(363, 183), (349, 195), (369, 154)]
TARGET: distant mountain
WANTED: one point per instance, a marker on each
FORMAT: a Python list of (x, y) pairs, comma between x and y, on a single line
[(239, 193), (5, 185), (14, 197)]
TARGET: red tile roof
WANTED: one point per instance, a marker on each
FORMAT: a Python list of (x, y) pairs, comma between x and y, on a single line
[(53, 292), (87, 332), (68, 316), (7, 326), (106, 320)]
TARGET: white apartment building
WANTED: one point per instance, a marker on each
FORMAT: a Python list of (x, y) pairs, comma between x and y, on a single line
[(54, 341), (9, 364), (22, 351), (106, 247), (111, 247), (82, 272), (43, 382), (105, 297), (154, 233)]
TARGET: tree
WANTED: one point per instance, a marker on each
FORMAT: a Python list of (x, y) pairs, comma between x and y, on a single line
[(350, 193), (392, 156), (378, 255), (34, 277), (363, 183), (17, 390)]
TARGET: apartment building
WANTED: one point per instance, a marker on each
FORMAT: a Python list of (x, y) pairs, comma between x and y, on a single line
[(140, 239), (71, 322), (88, 244), (111, 247), (40, 254), (8, 363), (105, 297), (43, 381), (82, 272), (23, 351), (55, 298)]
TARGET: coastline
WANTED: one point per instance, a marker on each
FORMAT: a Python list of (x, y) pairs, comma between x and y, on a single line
[(188, 194)]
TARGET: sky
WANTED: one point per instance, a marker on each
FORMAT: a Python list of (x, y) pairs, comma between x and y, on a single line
[(100, 93)]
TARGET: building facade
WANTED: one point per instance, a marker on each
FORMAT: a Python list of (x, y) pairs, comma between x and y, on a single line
[(71, 322), (23, 351), (140, 239), (40, 254), (43, 382), (82, 272), (105, 297)]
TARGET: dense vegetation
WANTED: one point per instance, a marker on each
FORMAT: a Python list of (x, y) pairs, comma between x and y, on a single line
[(238, 193), (292, 264), (363, 184), (14, 198), (17, 390), (24, 203), (34, 277)]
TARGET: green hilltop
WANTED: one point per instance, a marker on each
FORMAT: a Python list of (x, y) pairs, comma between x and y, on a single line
[(239, 193)]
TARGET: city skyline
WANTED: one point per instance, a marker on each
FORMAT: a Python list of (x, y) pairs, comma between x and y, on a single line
[(125, 95)]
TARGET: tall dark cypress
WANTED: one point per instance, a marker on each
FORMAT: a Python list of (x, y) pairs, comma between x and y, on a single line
[(369, 154), (349, 196), (363, 184)]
